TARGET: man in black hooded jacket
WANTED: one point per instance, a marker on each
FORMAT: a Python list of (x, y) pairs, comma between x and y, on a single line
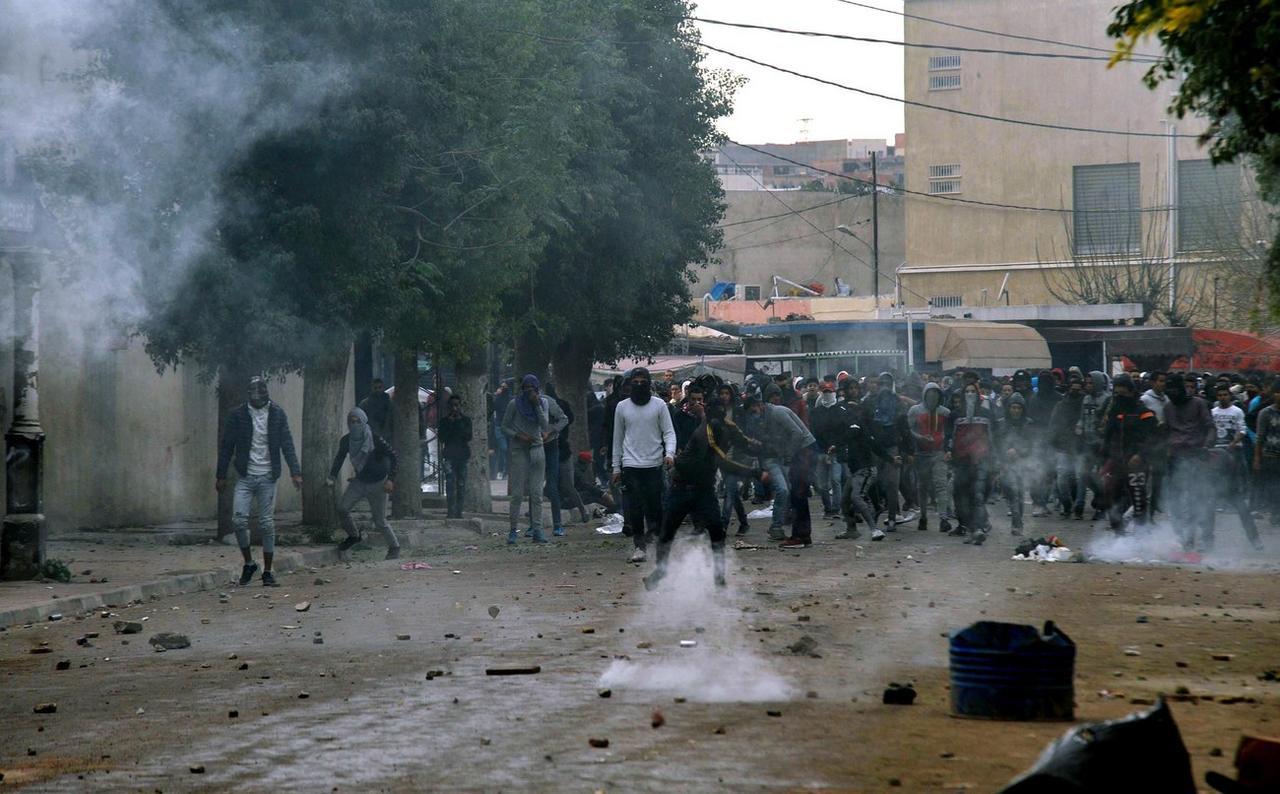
[(693, 487)]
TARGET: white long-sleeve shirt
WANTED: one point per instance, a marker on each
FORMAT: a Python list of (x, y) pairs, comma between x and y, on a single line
[(642, 435)]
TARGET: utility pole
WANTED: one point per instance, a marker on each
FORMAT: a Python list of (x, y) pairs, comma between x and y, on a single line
[(875, 228)]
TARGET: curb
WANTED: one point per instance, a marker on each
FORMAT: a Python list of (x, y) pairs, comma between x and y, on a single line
[(284, 562)]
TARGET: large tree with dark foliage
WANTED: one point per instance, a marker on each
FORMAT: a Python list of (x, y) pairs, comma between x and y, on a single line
[(1225, 57)]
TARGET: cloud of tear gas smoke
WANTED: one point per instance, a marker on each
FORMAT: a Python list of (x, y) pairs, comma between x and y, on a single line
[(721, 667), (128, 119)]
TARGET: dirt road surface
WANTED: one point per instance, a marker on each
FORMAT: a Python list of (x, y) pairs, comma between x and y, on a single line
[(381, 685)]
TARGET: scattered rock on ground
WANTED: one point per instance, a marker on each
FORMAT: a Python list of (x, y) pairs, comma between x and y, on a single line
[(170, 641), (302, 606), (127, 627), (45, 708), (805, 646)]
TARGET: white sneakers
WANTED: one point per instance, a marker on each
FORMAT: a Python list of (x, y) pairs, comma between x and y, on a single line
[(637, 556), (877, 534)]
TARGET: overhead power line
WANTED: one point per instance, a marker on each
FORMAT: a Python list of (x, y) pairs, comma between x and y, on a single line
[(816, 228), (954, 199), (840, 200), (1137, 56), (867, 40), (927, 106)]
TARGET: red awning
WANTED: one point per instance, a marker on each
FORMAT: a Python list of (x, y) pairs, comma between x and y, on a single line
[(1232, 351)]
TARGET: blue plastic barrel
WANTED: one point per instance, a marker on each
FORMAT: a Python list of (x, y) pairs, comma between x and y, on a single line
[(1003, 671)]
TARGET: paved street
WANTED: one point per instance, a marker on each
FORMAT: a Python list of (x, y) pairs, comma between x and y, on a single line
[(396, 696)]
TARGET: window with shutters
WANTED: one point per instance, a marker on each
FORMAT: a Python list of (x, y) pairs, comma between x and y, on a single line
[(944, 179), (946, 301), (1209, 199), (1107, 217), (944, 72)]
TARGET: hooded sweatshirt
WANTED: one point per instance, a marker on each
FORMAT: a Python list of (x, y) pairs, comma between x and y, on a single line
[(970, 441), (1189, 422), (1092, 409), (1016, 434), (928, 421), (1131, 429)]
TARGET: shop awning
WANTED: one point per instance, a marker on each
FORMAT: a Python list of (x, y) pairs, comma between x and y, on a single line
[(979, 345), (1131, 340), (730, 368)]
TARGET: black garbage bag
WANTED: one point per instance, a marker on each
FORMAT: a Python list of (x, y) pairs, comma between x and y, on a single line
[(1140, 752)]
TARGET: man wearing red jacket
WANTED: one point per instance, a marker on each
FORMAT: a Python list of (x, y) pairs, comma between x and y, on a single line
[(969, 443)]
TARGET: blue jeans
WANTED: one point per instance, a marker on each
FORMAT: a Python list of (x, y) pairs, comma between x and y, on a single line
[(828, 475), (732, 501), (263, 488), (781, 491)]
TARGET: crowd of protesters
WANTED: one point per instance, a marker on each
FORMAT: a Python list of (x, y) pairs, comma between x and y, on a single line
[(878, 452)]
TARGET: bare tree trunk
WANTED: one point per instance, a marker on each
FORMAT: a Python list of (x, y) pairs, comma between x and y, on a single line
[(232, 385), (531, 356), (572, 362), (471, 390), (322, 429), (406, 500)]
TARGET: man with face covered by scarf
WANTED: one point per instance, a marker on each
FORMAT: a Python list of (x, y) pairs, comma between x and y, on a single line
[(928, 421), (1190, 432), (531, 422), (374, 462), (254, 436), (970, 445), (828, 420), (1128, 437), (644, 440), (889, 427)]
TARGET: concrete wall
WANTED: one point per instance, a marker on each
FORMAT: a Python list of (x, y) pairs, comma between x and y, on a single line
[(789, 247), (125, 446), (1029, 166)]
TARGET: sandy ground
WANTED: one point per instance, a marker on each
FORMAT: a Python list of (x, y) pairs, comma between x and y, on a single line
[(740, 711)]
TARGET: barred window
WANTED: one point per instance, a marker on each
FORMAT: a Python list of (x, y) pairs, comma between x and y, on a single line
[(1209, 199), (944, 178), (1107, 218)]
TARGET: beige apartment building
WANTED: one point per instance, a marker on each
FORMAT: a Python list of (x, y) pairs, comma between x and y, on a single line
[(1086, 211)]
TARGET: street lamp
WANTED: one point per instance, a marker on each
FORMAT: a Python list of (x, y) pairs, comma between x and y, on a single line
[(22, 538)]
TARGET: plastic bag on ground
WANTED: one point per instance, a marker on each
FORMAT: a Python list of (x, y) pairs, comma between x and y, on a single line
[(612, 525), (764, 512)]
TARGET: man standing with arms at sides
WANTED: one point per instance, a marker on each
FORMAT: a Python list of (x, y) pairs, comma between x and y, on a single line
[(829, 419), (375, 464), (644, 440), (1156, 400), (254, 437), (455, 443), (970, 447), (528, 425), (377, 406), (928, 422)]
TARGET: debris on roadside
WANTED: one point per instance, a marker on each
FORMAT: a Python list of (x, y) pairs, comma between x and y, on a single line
[(805, 646), (657, 720), (45, 708), (170, 641), (534, 670), (302, 606), (598, 743), (127, 627)]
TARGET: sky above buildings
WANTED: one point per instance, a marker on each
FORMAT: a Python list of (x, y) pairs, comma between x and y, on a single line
[(778, 108)]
